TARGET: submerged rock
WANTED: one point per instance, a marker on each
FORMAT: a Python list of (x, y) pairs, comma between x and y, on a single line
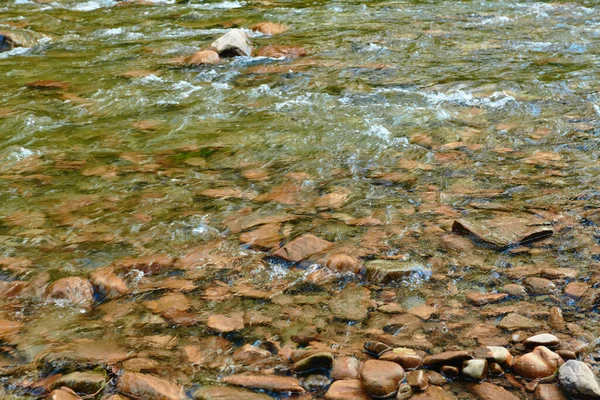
[(302, 247), (63, 394), (578, 380), (272, 383), (351, 304), (148, 387), (321, 361), (233, 43), (10, 39), (74, 290), (381, 378), (540, 363), (281, 51), (505, 231), (228, 393), (269, 28), (224, 324), (203, 57), (347, 389), (82, 382), (385, 271)]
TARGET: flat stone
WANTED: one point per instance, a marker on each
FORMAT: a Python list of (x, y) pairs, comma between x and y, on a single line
[(108, 284), (543, 339), (450, 372), (560, 273), (347, 389), (343, 263), (488, 391), (62, 394), (557, 322), (228, 393), (407, 358), (351, 304), (505, 231), (274, 383), (224, 324), (385, 271), (540, 363), (537, 285), (249, 354), (576, 290), (322, 362), (281, 51), (203, 57), (514, 321), (405, 392), (434, 393), (148, 387), (446, 358), (418, 380), (550, 391), (422, 311), (481, 299), (269, 28), (578, 380), (381, 378), (345, 368), (435, 378), (82, 382), (302, 247), (514, 290), (376, 348), (233, 43)]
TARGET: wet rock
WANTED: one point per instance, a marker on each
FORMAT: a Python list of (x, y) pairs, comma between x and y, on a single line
[(203, 57), (435, 378), (385, 271), (12, 39), (447, 358), (488, 391), (514, 321), (302, 247), (347, 389), (539, 286), (376, 348), (179, 317), (405, 392), (74, 290), (417, 380), (351, 303), (314, 383), (381, 378), (407, 358), (540, 363), (496, 369), (332, 200), (108, 284), (543, 339), (63, 394), (481, 299), (9, 328), (266, 237), (345, 368), (48, 84), (566, 354), (233, 43), (576, 290), (170, 301), (557, 321), (434, 393), (228, 393), (274, 383), (148, 387), (281, 51), (496, 354), (560, 273), (82, 382), (249, 354), (343, 263), (422, 311), (269, 28), (476, 369), (450, 371), (224, 324), (505, 231), (321, 361), (578, 380), (514, 290), (550, 391), (141, 364)]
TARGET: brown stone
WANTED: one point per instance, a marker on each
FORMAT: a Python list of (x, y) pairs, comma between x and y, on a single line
[(345, 368), (228, 393), (106, 282), (351, 304), (417, 380), (557, 321), (435, 378), (446, 358), (481, 299), (63, 394), (82, 381), (333, 200), (560, 273), (272, 383), (148, 387), (543, 339), (550, 391), (450, 371), (514, 290), (514, 321), (381, 378), (281, 51), (505, 231), (540, 363), (576, 290), (343, 263), (347, 389), (488, 391), (48, 84), (434, 393), (407, 358), (302, 247), (376, 348), (249, 354), (203, 57), (269, 28), (539, 285), (224, 324), (266, 237), (422, 311), (73, 289)]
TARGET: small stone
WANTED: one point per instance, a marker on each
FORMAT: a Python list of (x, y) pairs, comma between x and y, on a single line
[(476, 369), (281, 51), (302, 247), (514, 290), (407, 358), (423, 311), (321, 362), (224, 324), (62, 394), (345, 368), (488, 391), (108, 284), (148, 387), (404, 392), (381, 378), (347, 389), (417, 380), (578, 380), (316, 382), (496, 369), (566, 354), (446, 358), (228, 393), (550, 391), (269, 28), (343, 263), (501, 355), (450, 372), (385, 271), (576, 290), (539, 286), (543, 339), (249, 354), (82, 382), (274, 383), (434, 393), (376, 348), (203, 57), (351, 304), (75, 290), (435, 378), (233, 43), (556, 319), (513, 322), (481, 299), (540, 363)]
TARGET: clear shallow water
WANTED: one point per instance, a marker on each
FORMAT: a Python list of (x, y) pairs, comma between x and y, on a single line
[(424, 111)]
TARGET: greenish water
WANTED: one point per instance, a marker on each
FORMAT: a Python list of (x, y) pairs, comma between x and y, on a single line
[(424, 111)]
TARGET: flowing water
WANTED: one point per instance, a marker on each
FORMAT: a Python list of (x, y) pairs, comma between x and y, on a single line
[(408, 114)]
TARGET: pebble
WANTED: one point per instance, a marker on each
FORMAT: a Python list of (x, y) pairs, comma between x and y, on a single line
[(108, 284), (434, 393), (75, 290), (450, 372), (82, 382), (489, 391), (227, 393), (405, 392), (274, 383), (539, 286), (347, 389), (269, 28), (543, 339), (63, 394), (233, 43), (148, 387), (224, 324), (249, 354), (407, 358), (435, 378), (557, 322), (540, 363), (343, 263), (514, 321), (345, 368), (417, 380), (203, 57), (376, 348), (381, 378), (281, 51), (578, 380), (321, 362), (476, 369), (481, 299), (514, 290), (576, 290), (446, 358), (550, 391)]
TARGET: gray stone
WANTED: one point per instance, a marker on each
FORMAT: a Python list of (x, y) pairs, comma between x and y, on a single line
[(233, 43), (578, 380)]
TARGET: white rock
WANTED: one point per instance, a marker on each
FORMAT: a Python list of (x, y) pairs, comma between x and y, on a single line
[(578, 380), (543, 339), (235, 42), (501, 355), (476, 369)]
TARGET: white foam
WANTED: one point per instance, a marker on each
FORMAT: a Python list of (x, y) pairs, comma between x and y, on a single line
[(94, 5), (14, 52), (496, 100), (225, 5)]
